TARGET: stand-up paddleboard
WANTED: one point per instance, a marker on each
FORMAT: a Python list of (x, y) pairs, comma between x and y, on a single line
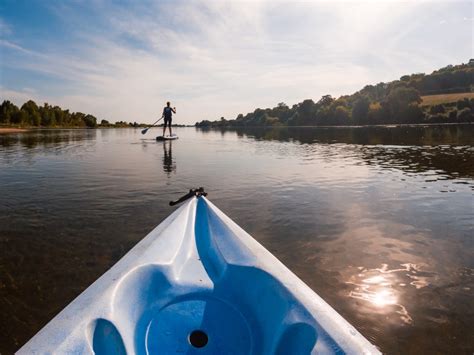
[(198, 284), (167, 138)]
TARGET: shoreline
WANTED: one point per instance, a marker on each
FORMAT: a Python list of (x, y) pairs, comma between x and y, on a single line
[(11, 130), (35, 128), (388, 125), (6, 130)]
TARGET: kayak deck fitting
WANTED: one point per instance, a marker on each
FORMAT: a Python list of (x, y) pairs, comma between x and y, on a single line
[(198, 284)]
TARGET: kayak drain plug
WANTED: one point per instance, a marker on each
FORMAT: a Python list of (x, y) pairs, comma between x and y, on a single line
[(198, 339)]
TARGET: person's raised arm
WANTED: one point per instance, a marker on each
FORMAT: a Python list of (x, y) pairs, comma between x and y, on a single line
[(173, 109)]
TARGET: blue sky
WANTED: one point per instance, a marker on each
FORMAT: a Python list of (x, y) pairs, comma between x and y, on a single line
[(122, 60)]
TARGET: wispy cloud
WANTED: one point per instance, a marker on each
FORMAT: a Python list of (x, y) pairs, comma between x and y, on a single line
[(16, 47), (21, 96), (213, 58)]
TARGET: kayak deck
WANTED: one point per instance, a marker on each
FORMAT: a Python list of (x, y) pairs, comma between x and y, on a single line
[(198, 283)]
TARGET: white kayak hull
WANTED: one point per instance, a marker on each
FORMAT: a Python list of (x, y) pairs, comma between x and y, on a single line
[(198, 283)]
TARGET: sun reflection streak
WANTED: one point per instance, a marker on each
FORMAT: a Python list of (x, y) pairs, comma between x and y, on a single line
[(378, 287), (380, 297), (383, 298)]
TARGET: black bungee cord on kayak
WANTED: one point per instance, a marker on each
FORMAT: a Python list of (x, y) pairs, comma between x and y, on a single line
[(192, 192)]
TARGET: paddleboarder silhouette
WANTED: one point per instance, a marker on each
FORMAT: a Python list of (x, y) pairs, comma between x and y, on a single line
[(168, 115)]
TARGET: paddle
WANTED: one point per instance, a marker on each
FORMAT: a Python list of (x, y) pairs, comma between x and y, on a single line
[(146, 129)]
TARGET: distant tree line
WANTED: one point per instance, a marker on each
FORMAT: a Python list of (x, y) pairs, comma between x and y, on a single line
[(397, 102), (450, 79), (30, 114)]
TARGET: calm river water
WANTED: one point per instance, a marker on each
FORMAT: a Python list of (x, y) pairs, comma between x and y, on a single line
[(378, 221)]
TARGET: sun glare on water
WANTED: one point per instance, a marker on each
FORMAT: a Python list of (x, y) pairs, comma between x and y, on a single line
[(380, 289), (382, 298)]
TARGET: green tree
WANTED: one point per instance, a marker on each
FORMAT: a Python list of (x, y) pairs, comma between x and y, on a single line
[(342, 115), (47, 115), (306, 113), (58, 114), (20, 117), (90, 121), (325, 100), (399, 101), (360, 110), (33, 112), (7, 110), (377, 114), (77, 119)]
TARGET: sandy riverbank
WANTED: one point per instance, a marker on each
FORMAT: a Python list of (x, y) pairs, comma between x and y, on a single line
[(12, 130)]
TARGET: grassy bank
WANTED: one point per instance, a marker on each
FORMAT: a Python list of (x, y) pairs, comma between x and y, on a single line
[(430, 100)]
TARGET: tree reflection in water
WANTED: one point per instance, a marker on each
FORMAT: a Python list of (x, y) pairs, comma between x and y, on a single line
[(444, 149)]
